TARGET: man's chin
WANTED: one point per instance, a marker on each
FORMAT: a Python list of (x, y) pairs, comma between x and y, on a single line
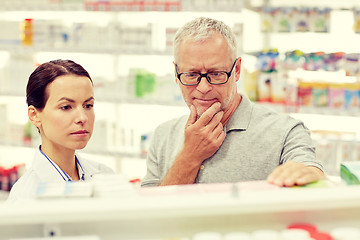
[(200, 111)]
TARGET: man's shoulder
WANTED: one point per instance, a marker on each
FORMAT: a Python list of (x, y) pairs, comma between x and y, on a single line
[(265, 110), (268, 115)]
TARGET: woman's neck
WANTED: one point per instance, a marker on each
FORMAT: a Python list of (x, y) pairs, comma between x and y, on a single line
[(64, 158)]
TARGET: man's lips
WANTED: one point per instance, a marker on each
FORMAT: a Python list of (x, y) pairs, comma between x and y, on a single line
[(205, 101)]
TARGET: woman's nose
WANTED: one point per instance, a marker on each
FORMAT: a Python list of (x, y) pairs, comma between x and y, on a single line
[(81, 116)]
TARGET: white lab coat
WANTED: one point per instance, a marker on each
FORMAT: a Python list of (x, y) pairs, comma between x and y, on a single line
[(42, 171)]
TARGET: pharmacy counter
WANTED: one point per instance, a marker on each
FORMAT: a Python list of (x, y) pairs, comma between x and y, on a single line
[(181, 211)]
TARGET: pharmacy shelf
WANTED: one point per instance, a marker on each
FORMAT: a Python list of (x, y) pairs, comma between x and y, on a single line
[(31, 6), (329, 111), (182, 211), (122, 6), (115, 99), (113, 153), (92, 6), (275, 106), (335, 4), (311, 109), (19, 49)]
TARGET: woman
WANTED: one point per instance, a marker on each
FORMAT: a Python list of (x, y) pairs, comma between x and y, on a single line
[(60, 100)]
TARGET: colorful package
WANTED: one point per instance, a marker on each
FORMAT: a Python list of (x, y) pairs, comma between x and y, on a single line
[(278, 87), (320, 94), (352, 96), (264, 87), (305, 93), (336, 95)]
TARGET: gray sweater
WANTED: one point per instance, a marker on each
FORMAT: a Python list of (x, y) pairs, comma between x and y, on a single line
[(257, 141)]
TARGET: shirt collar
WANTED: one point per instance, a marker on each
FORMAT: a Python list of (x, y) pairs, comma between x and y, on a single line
[(240, 119), (80, 169)]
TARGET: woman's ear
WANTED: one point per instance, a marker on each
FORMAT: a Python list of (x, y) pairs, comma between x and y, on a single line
[(34, 117)]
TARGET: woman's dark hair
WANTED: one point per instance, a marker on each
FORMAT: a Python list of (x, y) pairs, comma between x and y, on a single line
[(45, 74)]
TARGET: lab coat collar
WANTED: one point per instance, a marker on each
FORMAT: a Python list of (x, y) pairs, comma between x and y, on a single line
[(48, 173)]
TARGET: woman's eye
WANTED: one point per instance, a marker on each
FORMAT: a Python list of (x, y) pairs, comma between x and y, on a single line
[(89, 105), (67, 107)]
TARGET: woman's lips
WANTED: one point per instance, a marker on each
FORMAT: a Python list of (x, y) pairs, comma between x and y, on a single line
[(81, 133)]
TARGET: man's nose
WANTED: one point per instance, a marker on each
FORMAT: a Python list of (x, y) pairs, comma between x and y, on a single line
[(204, 86)]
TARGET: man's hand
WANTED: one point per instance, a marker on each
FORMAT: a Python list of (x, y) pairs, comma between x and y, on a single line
[(203, 137), (292, 173)]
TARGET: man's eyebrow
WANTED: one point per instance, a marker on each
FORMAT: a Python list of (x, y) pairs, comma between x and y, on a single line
[(213, 68)]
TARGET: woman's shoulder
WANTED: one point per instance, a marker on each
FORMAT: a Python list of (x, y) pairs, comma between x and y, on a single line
[(94, 167), (25, 187)]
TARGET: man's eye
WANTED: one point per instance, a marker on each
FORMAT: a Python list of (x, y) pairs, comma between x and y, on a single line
[(191, 75), (216, 74)]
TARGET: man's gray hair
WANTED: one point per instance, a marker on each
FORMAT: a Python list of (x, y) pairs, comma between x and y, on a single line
[(201, 29)]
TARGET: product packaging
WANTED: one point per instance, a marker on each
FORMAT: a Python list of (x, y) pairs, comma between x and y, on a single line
[(320, 94), (336, 95), (305, 93)]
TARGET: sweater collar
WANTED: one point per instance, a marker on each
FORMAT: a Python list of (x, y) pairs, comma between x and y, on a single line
[(240, 119)]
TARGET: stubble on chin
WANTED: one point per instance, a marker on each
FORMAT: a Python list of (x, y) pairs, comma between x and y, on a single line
[(199, 111)]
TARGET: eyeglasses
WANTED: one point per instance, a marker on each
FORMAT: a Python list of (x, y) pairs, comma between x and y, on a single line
[(194, 78)]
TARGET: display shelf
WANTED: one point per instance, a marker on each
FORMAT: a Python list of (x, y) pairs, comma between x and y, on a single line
[(336, 4), (114, 99), (279, 107), (33, 6), (182, 211), (19, 49), (117, 154), (121, 5), (329, 111)]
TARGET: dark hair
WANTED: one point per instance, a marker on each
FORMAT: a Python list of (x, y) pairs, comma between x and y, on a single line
[(45, 74)]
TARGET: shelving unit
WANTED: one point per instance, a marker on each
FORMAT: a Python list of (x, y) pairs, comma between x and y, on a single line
[(169, 212), (182, 211)]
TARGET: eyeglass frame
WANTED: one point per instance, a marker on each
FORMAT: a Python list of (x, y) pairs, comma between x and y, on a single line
[(206, 76)]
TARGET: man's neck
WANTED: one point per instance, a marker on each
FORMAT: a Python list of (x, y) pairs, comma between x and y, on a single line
[(229, 112)]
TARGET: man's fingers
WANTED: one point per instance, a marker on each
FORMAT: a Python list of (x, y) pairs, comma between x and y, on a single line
[(216, 119), (293, 173), (206, 117), (193, 116), (285, 174)]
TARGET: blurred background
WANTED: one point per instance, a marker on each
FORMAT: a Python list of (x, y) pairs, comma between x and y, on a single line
[(298, 57)]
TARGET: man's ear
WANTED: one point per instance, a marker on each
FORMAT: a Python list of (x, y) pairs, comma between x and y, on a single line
[(238, 69), (34, 117), (176, 79)]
